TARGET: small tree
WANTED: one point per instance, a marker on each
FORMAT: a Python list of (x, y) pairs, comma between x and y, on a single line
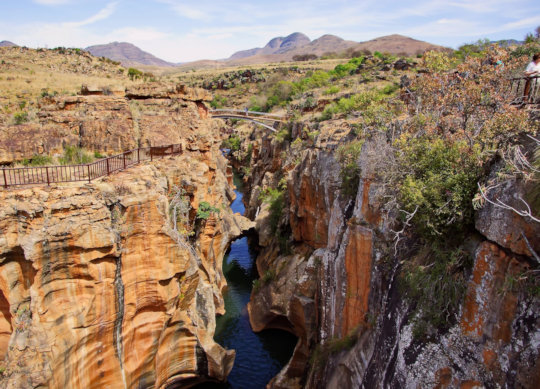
[(134, 74)]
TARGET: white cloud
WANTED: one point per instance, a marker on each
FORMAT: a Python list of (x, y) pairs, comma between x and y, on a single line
[(190, 12), (101, 15), (532, 21)]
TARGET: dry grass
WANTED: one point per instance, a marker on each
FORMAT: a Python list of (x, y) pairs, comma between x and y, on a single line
[(26, 74), (193, 72)]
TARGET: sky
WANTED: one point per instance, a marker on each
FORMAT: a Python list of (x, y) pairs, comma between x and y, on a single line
[(181, 31)]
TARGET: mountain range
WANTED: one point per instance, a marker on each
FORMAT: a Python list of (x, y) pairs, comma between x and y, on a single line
[(285, 48), (7, 44), (276, 50), (128, 54)]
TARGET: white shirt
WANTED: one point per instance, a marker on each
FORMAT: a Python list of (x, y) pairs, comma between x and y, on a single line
[(533, 68)]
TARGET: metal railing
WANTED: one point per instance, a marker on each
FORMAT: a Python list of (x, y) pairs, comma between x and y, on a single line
[(525, 90), (255, 114), (85, 172)]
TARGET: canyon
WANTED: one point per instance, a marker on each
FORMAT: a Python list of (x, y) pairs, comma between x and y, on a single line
[(118, 282), (337, 286), (97, 287)]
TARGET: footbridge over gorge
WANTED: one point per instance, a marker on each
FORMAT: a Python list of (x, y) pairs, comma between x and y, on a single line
[(269, 121)]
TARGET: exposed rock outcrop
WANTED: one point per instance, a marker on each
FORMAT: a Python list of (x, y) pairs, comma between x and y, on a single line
[(338, 288), (97, 288), (151, 114), (97, 292)]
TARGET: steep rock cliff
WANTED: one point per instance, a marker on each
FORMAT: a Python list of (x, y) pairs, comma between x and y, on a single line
[(98, 291), (339, 287), (97, 288), (148, 114)]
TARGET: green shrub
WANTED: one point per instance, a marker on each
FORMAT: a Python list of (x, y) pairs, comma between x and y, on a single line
[(283, 135), (134, 74), (317, 80), (268, 276), (477, 49), (38, 160), (274, 197), (390, 89), (347, 156), (357, 102), (439, 184), (322, 352), (349, 68), (256, 286), (205, 210), (232, 143), (332, 90), (218, 102), (281, 93), (438, 61), (436, 287), (74, 155), (20, 117)]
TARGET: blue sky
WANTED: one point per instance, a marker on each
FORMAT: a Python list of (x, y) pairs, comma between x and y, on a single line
[(179, 30)]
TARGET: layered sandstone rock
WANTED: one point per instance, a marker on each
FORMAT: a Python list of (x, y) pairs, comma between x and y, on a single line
[(97, 291), (96, 287), (149, 114)]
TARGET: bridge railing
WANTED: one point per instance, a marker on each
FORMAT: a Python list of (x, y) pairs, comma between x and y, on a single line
[(525, 89), (248, 113), (84, 172)]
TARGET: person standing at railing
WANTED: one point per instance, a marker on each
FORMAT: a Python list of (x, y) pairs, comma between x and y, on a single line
[(533, 69)]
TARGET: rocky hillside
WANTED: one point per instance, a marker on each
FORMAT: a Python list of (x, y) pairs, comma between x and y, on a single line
[(105, 123), (127, 54), (277, 45), (85, 299), (380, 252), (398, 44), (298, 45), (7, 44), (26, 75)]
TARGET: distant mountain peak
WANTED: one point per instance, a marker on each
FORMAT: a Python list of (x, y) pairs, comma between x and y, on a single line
[(8, 44), (126, 53), (277, 45), (298, 45)]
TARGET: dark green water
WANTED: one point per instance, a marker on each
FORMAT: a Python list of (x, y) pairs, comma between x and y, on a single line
[(259, 357)]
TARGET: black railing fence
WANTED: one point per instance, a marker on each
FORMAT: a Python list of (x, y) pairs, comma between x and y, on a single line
[(86, 172)]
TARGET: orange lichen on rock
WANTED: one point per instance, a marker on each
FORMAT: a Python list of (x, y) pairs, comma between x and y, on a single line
[(485, 313), (370, 213), (309, 222), (443, 378), (358, 259)]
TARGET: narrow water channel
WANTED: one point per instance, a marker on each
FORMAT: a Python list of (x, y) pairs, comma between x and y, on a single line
[(259, 357)]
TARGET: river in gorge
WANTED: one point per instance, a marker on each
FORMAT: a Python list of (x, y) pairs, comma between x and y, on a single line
[(259, 356)]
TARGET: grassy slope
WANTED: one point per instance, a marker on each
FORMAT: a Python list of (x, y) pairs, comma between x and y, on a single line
[(27, 74)]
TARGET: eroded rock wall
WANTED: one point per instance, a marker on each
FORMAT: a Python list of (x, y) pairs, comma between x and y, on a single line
[(341, 279), (152, 114), (96, 290)]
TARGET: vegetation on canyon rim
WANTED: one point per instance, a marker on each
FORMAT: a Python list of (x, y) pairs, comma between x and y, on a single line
[(441, 131), (445, 129)]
